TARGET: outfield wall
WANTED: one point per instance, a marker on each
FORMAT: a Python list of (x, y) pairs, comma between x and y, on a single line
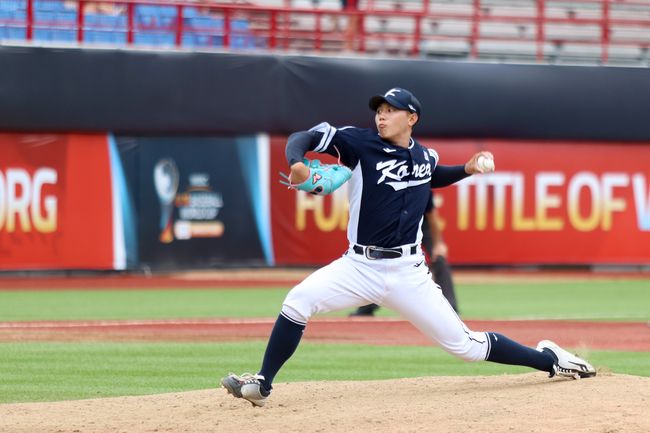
[(189, 176), (104, 201), (160, 93)]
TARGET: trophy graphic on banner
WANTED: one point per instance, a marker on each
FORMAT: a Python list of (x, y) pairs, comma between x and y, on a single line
[(165, 178)]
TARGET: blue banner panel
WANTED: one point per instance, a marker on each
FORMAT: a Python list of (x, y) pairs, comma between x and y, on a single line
[(193, 207)]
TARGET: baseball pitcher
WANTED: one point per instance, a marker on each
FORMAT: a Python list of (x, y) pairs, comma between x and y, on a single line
[(390, 176)]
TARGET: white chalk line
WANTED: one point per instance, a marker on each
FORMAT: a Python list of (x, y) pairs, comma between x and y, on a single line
[(81, 324), (165, 323)]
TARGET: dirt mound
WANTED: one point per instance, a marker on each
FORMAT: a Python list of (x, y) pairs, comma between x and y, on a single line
[(509, 403)]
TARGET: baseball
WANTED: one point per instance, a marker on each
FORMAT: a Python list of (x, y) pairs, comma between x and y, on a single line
[(485, 164)]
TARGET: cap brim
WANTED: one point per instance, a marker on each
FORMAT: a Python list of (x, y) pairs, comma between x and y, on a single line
[(376, 101)]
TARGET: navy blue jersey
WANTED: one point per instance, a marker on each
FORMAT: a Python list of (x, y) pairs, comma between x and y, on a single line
[(389, 188), (427, 238)]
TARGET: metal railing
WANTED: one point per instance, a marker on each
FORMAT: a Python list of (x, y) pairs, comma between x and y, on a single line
[(472, 28)]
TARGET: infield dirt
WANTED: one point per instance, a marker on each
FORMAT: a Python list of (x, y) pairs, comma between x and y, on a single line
[(608, 403)]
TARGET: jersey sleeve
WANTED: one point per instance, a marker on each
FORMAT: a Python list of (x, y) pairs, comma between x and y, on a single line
[(336, 142), (445, 175)]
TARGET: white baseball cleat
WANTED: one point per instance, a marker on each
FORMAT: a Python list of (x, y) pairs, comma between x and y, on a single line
[(566, 364), (246, 386)]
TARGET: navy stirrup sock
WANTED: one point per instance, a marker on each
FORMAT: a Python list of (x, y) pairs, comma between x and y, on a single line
[(506, 351), (284, 340)]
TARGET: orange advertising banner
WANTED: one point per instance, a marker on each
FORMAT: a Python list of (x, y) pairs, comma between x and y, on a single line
[(55, 202), (547, 203)]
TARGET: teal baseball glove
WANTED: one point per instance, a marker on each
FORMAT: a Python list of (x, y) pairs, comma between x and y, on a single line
[(323, 178)]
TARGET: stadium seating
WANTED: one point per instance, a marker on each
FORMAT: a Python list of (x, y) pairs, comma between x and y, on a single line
[(499, 30), (155, 25)]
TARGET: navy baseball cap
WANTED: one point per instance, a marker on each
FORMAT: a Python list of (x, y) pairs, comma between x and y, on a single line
[(398, 98)]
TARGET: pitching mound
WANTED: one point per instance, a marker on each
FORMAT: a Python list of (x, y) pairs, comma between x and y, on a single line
[(512, 403)]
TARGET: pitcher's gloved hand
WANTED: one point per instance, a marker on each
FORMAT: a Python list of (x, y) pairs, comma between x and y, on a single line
[(323, 179)]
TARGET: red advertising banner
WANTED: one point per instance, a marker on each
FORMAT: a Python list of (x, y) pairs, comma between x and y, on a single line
[(307, 229), (547, 203), (55, 202)]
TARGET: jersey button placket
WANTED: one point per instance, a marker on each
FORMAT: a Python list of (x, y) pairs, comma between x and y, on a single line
[(404, 214)]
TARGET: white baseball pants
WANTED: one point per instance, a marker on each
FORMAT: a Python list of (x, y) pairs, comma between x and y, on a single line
[(402, 284)]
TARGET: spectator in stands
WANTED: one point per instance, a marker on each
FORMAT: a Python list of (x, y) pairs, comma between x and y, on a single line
[(436, 251)]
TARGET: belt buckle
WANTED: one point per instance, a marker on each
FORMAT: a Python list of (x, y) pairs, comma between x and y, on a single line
[(371, 249), (367, 251)]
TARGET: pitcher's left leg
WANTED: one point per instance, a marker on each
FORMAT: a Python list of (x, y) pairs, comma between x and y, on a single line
[(421, 302)]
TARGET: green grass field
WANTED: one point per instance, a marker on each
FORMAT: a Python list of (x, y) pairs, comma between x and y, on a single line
[(586, 300), (31, 371)]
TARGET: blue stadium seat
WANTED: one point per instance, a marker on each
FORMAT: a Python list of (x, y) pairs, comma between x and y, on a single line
[(203, 31), (192, 40), (106, 29), (16, 33), (112, 21), (189, 40), (144, 15), (105, 37), (48, 5), (41, 34), (53, 22), (66, 15), (14, 24), (58, 6), (143, 38), (205, 24), (92, 25), (64, 35), (239, 40), (190, 12), (165, 11), (13, 5), (42, 5), (18, 16), (42, 16), (158, 25), (154, 39), (119, 37)]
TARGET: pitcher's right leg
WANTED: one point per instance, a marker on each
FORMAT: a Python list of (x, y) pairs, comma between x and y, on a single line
[(345, 283), (342, 284)]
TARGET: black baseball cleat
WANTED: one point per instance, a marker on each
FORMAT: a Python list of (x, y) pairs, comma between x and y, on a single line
[(246, 386), (566, 364)]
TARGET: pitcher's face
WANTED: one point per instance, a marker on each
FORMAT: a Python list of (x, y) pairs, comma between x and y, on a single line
[(393, 123)]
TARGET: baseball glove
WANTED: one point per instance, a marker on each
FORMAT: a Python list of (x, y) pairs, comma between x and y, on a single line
[(323, 178)]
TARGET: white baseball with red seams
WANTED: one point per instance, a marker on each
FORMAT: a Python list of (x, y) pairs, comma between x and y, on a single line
[(485, 163)]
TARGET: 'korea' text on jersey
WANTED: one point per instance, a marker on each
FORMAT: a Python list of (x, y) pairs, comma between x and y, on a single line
[(389, 188)]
